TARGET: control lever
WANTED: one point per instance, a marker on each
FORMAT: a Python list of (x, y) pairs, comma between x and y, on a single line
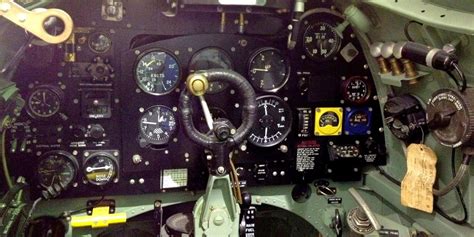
[(36, 21), (357, 218), (197, 84), (337, 223)]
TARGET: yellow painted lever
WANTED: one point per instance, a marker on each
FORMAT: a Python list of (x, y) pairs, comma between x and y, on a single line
[(100, 218), (33, 21)]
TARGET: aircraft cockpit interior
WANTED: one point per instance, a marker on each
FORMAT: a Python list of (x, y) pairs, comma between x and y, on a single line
[(236, 118)]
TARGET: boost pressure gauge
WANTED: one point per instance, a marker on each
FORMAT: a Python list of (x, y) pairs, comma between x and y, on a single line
[(44, 102), (100, 168), (321, 41), (273, 121), (157, 125), (269, 70)]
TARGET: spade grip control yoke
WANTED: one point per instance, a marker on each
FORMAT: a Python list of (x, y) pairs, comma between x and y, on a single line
[(222, 137)]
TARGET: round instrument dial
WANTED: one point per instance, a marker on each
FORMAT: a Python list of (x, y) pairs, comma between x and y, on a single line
[(273, 123), (269, 70), (44, 102), (157, 125), (211, 58), (57, 168), (157, 72), (99, 42), (356, 90), (321, 41), (100, 169)]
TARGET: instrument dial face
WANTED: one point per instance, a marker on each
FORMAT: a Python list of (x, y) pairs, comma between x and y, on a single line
[(321, 42), (157, 73), (359, 118), (356, 90), (57, 168), (273, 122), (329, 119), (100, 169), (99, 42), (44, 102), (269, 70), (157, 125), (211, 58)]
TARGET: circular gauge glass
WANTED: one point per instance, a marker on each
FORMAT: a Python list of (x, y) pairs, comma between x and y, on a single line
[(157, 125), (100, 169), (157, 72), (356, 90), (269, 70), (321, 42), (44, 102), (211, 58), (57, 167), (273, 122), (100, 42)]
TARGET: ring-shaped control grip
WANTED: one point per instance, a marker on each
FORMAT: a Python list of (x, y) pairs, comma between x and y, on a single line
[(243, 89)]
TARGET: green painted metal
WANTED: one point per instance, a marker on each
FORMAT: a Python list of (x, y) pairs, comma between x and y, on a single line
[(217, 213), (442, 17)]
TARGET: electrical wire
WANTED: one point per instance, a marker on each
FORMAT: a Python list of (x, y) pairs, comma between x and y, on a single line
[(436, 206), (461, 199), (461, 75), (236, 181), (69, 213), (6, 172), (407, 33)]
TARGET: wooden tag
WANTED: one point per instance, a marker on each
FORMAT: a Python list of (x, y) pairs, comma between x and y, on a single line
[(417, 185)]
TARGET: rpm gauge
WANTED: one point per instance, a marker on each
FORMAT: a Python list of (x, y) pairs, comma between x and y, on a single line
[(44, 102), (321, 41), (269, 70), (211, 58), (273, 122), (157, 72), (57, 168), (157, 125)]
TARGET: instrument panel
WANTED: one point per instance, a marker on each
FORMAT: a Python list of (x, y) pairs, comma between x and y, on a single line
[(102, 109)]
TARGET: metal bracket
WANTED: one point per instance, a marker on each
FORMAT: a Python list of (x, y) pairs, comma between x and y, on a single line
[(217, 213), (33, 21)]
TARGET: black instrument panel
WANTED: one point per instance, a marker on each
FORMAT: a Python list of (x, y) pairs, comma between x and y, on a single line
[(105, 107)]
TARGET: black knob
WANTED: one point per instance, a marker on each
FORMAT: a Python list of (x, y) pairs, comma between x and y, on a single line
[(96, 131), (222, 132), (246, 199)]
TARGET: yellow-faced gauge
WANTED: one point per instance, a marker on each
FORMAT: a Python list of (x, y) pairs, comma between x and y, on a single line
[(328, 121)]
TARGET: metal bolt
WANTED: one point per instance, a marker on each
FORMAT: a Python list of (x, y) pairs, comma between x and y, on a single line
[(132, 181), (284, 148), (220, 170), (136, 159), (141, 180)]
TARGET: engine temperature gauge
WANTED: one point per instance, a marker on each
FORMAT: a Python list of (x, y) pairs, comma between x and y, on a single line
[(273, 123), (356, 90)]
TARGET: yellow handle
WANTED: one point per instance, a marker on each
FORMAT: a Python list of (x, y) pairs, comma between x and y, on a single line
[(100, 218)]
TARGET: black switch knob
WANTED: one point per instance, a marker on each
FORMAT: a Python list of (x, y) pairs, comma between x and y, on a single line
[(96, 131)]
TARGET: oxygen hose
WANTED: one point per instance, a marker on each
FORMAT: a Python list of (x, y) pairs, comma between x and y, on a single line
[(456, 180)]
